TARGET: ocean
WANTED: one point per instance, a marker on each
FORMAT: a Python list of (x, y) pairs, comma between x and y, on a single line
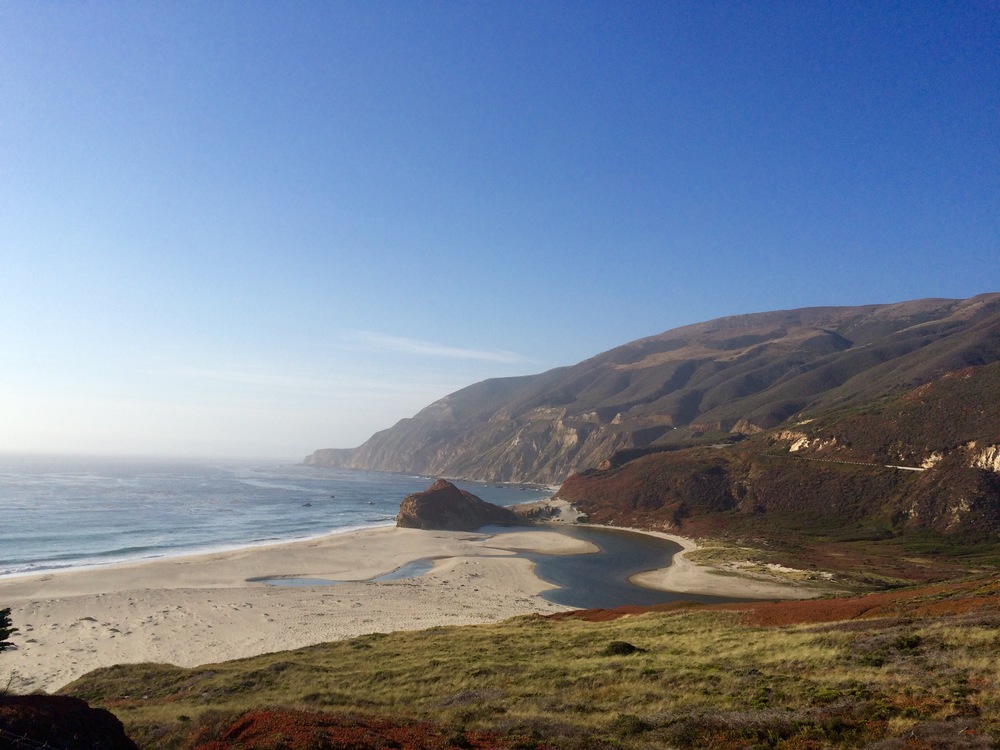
[(61, 513)]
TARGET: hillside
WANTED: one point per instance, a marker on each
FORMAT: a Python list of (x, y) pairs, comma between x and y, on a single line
[(920, 470), (737, 375)]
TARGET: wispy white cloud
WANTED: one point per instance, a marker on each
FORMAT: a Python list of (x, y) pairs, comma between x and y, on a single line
[(430, 349), (356, 384)]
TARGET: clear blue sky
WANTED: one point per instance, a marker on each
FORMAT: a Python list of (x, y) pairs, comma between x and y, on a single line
[(262, 228)]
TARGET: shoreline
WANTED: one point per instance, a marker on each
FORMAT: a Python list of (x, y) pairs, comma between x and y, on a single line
[(203, 608), (687, 577), (99, 559), (178, 554), (684, 576)]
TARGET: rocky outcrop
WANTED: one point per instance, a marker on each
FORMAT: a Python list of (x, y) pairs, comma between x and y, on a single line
[(59, 721), (333, 458), (740, 374), (988, 459), (443, 506)]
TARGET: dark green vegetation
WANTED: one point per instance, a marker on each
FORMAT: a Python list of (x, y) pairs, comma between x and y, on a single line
[(731, 376), (6, 629), (881, 671)]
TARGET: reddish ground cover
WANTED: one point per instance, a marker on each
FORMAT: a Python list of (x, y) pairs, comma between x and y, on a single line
[(266, 730), (962, 597)]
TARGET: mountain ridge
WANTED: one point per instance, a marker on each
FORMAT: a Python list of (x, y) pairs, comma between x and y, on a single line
[(736, 375)]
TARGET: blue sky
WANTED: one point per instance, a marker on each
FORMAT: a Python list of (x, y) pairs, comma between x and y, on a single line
[(260, 228)]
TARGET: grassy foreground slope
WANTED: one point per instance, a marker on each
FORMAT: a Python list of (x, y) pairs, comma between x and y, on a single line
[(908, 669)]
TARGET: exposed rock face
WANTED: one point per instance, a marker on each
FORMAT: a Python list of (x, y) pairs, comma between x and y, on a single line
[(988, 459), (59, 721), (443, 506), (741, 374)]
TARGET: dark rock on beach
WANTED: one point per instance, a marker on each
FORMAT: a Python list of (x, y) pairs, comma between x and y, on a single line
[(443, 506)]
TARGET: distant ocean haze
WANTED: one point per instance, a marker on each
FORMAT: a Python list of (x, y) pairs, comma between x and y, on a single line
[(62, 513)]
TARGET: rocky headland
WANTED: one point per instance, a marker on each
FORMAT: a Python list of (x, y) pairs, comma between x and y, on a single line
[(445, 507), (796, 431)]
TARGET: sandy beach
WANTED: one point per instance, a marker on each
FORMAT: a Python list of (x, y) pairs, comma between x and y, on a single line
[(202, 609), (687, 577)]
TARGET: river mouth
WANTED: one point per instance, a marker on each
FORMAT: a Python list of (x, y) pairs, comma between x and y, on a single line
[(602, 580), (599, 580)]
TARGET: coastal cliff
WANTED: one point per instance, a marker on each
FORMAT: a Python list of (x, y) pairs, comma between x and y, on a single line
[(709, 382)]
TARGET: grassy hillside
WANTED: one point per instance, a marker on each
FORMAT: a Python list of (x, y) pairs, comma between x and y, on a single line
[(915, 669)]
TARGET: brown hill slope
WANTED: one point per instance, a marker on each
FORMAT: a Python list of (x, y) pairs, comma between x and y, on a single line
[(739, 374), (926, 462)]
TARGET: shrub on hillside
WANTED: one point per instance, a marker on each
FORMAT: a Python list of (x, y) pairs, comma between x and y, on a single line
[(6, 629)]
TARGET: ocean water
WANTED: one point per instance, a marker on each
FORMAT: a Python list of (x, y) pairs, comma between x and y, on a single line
[(59, 513)]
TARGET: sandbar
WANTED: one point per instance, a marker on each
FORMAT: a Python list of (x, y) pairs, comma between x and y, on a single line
[(686, 577)]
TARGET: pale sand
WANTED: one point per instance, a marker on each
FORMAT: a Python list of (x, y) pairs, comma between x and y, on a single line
[(201, 609), (686, 577)]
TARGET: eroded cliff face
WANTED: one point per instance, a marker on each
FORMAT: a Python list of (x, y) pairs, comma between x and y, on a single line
[(507, 449), (746, 374), (988, 459)]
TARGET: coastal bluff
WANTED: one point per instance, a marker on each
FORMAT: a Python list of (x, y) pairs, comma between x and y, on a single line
[(445, 507)]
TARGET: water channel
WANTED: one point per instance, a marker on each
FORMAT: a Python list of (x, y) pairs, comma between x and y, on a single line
[(587, 581)]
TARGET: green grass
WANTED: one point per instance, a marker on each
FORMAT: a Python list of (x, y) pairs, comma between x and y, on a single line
[(700, 679)]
